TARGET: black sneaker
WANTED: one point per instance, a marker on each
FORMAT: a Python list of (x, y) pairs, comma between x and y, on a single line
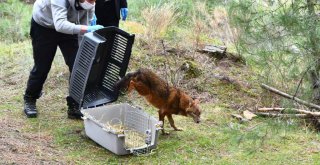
[(73, 109), (30, 108)]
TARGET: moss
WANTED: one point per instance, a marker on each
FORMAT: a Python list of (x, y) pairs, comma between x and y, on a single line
[(193, 71), (209, 40)]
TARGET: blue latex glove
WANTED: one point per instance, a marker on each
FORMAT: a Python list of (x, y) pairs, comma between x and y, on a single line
[(124, 13), (94, 27), (94, 20)]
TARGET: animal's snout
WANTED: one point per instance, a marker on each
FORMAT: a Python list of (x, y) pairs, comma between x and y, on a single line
[(197, 120)]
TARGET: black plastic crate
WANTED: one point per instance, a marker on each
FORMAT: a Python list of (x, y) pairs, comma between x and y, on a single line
[(102, 58)]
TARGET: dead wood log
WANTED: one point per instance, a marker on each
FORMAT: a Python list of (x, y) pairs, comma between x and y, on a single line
[(218, 52), (316, 114), (276, 91), (214, 49)]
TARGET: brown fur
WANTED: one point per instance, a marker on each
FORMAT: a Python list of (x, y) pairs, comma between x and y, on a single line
[(169, 100)]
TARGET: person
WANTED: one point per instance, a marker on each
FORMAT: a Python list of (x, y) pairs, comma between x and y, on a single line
[(108, 12), (55, 23)]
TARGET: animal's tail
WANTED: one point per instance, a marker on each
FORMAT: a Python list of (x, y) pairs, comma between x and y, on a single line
[(123, 84)]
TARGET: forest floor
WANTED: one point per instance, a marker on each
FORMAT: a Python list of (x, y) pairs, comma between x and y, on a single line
[(218, 139)]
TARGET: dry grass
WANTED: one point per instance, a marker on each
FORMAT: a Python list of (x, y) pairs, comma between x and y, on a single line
[(221, 26), (157, 21), (199, 23), (211, 27)]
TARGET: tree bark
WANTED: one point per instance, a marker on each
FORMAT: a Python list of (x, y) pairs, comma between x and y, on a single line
[(314, 41)]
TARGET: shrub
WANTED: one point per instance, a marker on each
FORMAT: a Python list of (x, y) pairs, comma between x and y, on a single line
[(15, 19)]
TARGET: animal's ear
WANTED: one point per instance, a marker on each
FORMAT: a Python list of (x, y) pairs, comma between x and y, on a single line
[(196, 101)]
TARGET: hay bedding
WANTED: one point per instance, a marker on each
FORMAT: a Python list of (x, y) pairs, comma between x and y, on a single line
[(133, 139)]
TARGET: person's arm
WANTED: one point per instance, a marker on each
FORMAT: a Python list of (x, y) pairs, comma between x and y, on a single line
[(86, 23), (124, 9), (93, 20), (59, 14), (61, 23), (123, 4)]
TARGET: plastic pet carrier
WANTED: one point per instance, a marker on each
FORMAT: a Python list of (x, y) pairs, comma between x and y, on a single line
[(122, 128), (101, 60)]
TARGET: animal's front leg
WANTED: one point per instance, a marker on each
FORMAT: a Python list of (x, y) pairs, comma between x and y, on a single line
[(131, 88), (172, 123), (161, 118)]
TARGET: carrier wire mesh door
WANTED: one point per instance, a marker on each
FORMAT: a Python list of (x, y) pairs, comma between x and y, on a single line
[(138, 132), (102, 58)]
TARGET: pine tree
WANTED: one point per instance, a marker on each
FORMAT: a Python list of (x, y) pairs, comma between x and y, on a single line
[(282, 39)]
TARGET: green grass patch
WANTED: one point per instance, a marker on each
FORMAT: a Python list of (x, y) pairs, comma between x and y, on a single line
[(15, 20)]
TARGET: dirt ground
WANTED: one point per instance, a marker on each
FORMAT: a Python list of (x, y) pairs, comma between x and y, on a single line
[(20, 147)]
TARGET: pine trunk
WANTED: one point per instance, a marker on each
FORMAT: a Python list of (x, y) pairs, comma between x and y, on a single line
[(314, 73)]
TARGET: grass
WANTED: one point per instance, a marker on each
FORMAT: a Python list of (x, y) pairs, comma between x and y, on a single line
[(219, 139)]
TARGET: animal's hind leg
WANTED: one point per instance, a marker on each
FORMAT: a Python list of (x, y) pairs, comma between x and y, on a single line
[(172, 123), (161, 118)]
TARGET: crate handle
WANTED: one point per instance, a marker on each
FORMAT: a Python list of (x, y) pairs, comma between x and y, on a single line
[(121, 135), (107, 130)]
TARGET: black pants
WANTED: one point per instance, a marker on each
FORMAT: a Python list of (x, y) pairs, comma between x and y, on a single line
[(45, 42), (107, 13)]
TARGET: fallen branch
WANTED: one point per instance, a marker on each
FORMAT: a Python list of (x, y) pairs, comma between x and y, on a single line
[(270, 109), (311, 105), (283, 115), (316, 114)]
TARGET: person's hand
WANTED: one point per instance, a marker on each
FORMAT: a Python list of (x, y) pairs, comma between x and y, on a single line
[(94, 28), (94, 20), (124, 13)]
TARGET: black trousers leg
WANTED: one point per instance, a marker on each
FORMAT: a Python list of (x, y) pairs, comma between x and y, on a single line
[(68, 45), (44, 43)]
